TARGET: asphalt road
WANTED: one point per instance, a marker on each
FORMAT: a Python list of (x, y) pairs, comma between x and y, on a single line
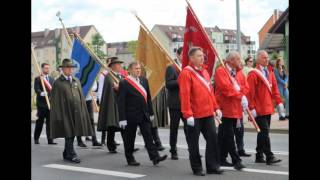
[(47, 162)]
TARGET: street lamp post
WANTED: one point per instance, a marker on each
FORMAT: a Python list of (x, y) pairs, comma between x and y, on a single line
[(238, 27)]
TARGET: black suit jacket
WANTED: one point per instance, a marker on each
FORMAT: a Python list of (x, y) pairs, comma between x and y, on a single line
[(41, 100), (173, 99), (131, 104)]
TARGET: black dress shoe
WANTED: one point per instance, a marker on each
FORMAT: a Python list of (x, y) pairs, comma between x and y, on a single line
[(226, 163), (273, 160), (112, 151), (96, 143), (287, 117), (133, 163), (36, 141), (73, 160), (160, 148), (159, 159), (215, 171), (260, 160), (174, 156), (243, 154), (135, 149), (81, 144), (282, 118), (199, 173), (52, 143), (239, 166)]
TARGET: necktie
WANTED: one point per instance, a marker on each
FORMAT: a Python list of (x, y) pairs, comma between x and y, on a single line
[(266, 72), (233, 73), (69, 79)]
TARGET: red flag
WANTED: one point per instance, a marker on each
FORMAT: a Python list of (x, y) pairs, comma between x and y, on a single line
[(195, 35)]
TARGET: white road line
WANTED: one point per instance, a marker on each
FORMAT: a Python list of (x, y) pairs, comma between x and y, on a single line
[(94, 171), (258, 171), (203, 148), (285, 153)]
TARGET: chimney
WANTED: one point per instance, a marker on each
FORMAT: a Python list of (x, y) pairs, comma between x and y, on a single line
[(275, 15), (46, 32)]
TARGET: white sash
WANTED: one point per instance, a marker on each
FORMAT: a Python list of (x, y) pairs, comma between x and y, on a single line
[(202, 79), (138, 85), (263, 78)]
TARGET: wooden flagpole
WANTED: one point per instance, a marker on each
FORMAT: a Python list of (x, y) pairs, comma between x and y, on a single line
[(70, 45), (40, 75), (156, 41)]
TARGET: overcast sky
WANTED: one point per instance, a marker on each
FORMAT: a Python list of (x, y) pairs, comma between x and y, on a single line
[(113, 18)]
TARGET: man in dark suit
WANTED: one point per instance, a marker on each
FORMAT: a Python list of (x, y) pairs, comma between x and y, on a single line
[(135, 109), (43, 111), (173, 104)]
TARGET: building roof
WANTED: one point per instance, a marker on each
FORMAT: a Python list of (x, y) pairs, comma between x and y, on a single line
[(173, 31), (121, 47), (279, 25), (40, 40), (275, 38)]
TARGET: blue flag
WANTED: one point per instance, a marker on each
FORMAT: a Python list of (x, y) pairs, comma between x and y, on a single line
[(87, 68)]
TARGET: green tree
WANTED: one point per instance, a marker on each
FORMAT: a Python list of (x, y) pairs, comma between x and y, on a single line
[(96, 44), (132, 47), (274, 55)]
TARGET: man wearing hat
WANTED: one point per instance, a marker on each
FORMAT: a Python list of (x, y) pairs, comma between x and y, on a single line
[(108, 119), (99, 96), (69, 115)]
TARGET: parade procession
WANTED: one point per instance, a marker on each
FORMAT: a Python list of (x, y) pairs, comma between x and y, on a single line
[(143, 114)]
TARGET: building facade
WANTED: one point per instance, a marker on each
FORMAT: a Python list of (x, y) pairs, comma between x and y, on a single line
[(224, 40)]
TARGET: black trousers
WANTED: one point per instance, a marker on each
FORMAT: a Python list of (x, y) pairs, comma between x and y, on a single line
[(175, 116), (43, 113), (69, 151), (111, 132), (226, 139), (130, 136), (208, 129), (90, 110), (155, 136), (263, 139), (239, 133)]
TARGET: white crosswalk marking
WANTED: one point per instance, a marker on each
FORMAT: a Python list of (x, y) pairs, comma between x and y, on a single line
[(94, 171), (258, 171)]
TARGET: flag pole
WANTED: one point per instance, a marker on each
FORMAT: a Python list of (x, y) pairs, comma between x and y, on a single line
[(70, 45), (156, 41), (40, 75), (64, 29)]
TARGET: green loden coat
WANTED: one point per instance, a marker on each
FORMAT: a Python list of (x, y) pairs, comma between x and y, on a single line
[(68, 115), (108, 114)]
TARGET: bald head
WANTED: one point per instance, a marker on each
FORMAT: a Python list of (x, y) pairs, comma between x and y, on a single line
[(233, 59), (262, 58)]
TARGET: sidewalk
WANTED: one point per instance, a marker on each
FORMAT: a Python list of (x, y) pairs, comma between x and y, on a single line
[(277, 126)]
